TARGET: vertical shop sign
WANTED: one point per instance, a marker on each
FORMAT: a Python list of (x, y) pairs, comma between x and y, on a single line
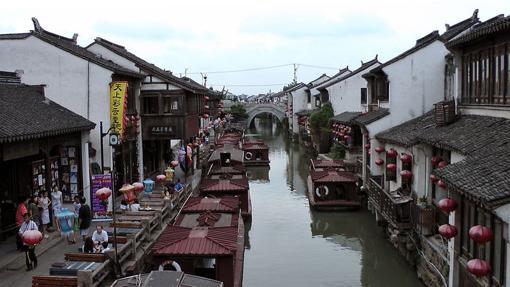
[(118, 106)]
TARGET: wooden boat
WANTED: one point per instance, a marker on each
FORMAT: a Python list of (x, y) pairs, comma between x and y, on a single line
[(332, 188), (228, 185), (166, 278), (256, 153)]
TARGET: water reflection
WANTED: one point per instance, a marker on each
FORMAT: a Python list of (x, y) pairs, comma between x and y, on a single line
[(290, 245)]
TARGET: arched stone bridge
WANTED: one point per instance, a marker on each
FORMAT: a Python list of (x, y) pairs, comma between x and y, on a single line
[(254, 109)]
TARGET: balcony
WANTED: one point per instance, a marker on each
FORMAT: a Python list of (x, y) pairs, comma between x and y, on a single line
[(424, 219), (394, 207)]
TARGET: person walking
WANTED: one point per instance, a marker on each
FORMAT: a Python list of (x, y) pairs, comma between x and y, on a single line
[(56, 203), (84, 218), (45, 216), (76, 224), (33, 209), (30, 257), (20, 211)]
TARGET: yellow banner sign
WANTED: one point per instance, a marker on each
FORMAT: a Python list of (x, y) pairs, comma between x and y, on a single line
[(118, 106)]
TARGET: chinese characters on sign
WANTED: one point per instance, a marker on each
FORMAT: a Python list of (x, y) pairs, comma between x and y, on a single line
[(162, 130), (99, 181), (118, 105)]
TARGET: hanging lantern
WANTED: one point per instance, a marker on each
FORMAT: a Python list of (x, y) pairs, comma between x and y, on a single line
[(206, 107), (367, 146), (391, 153), (32, 237), (102, 194), (434, 178), (129, 192), (346, 137), (160, 178), (480, 233), (148, 185), (447, 204), (406, 174), (379, 149), (391, 167), (478, 267), (447, 231), (205, 116), (138, 186), (206, 98), (174, 163), (407, 158), (435, 160), (379, 161), (441, 184), (442, 164)]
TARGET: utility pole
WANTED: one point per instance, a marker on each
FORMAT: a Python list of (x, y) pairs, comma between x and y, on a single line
[(295, 72), (204, 77), (185, 72)]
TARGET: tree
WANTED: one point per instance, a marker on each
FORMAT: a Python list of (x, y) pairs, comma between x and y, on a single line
[(319, 119), (238, 112)]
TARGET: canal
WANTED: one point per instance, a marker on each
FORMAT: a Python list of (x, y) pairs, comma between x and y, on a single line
[(290, 245)]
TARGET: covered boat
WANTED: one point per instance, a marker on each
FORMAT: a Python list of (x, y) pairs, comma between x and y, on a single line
[(330, 189)]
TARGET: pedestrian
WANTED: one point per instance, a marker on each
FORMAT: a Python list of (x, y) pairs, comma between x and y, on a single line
[(100, 238), (20, 211), (30, 257), (178, 185), (76, 225), (84, 218), (88, 245), (56, 203), (33, 209), (124, 206), (45, 216)]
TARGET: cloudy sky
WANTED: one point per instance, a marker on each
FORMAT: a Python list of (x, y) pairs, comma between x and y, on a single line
[(231, 35)]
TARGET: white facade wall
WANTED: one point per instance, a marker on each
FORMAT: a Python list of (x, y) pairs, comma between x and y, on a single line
[(416, 84), (299, 103), (73, 82), (107, 54)]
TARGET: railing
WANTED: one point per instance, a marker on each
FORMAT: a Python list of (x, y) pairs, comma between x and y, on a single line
[(424, 219), (395, 208)]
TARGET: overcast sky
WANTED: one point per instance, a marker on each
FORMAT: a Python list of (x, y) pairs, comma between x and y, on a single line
[(224, 35)]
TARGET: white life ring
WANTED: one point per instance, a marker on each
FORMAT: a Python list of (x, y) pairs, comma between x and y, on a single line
[(174, 264), (248, 156), (318, 191)]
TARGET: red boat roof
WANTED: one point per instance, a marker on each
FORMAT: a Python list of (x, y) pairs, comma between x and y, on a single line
[(207, 219), (235, 169), (332, 176), (223, 204), (224, 184), (318, 163), (204, 241), (254, 146)]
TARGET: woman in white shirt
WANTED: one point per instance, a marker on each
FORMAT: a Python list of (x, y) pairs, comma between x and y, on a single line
[(56, 203)]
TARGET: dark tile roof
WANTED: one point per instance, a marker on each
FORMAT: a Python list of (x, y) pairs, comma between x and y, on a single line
[(26, 114), (335, 77), (313, 83), (70, 46), (454, 30), (294, 88), (332, 176), (14, 36), (304, 113), (345, 117), (370, 117), (498, 24), (406, 134), (222, 204), (483, 178), (363, 67), (420, 44), (185, 83)]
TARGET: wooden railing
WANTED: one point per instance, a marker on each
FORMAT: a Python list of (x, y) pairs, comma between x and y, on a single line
[(394, 208)]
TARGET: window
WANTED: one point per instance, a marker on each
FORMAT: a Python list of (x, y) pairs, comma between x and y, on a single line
[(170, 104), (150, 105), (308, 98), (363, 96)]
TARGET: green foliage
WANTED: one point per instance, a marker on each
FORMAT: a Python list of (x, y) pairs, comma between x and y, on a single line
[(337, 152), (238, 112), (319, 119), (290, 85)]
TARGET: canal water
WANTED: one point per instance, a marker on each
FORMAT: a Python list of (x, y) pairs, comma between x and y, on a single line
[(290, 245)]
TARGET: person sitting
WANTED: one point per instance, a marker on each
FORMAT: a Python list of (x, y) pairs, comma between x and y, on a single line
[(123, 205), (88, 245), (100, 238), (135, 206)]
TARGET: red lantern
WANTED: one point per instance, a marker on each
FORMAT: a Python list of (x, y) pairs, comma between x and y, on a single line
[(379, 149), (442, 164), (441, 184), (32, 237), (206, 107), (367, 146), (447, 204), (480, 233), (447, 231), (435, 160), (138, 186), (391, 153), (174, 163), (160, 178), (433, 177), (391, 167), (478, 267), (407, 158), (379, 161), (346, 137), (206, 98), (406, 174), (128, 192), (205, 116)]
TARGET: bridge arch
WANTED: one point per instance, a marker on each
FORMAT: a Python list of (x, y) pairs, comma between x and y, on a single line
[(253, 110)]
